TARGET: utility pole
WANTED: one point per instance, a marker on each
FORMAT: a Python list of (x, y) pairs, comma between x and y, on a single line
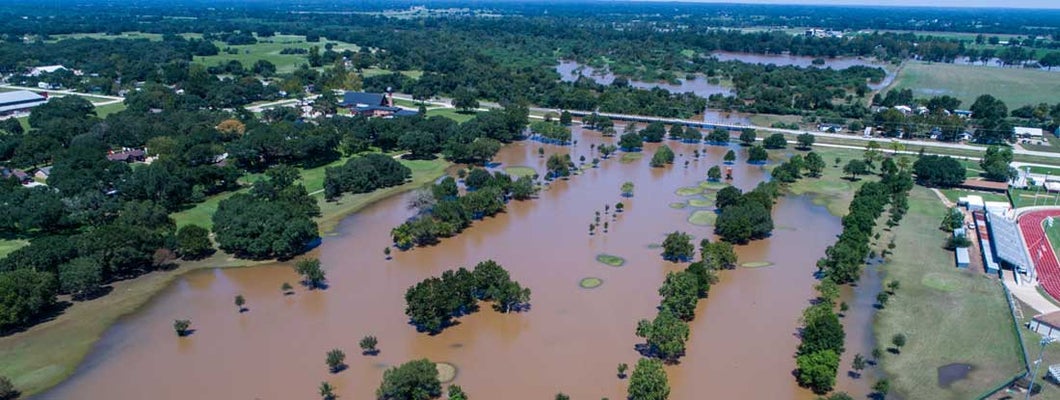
[(1038, 364)]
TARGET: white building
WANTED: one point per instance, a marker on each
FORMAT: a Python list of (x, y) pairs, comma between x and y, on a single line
[(44, 69), (1029, 133)]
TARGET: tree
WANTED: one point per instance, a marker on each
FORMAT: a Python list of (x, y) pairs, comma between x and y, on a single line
[(805, 141), (25, 295), (606, 150), (648, 381), (996, 164), (856, 167), (561, 396), (952, 220), (882, 298), (893, 286), (465, 100), (312, 274), (335, 360), (240, 302), (665, 335), (457, 393), (748, 137), (718, 136), (7, 389), (817, 370), (775, 141), (327, 391), (193, 242), (743, 222), (898, 340), (714, 173), (653, 133), (627, 189), (286, 288), (662, 157), (181, 327), (622, 367), (368, 344), (882, 386), (558, 165), (814, 164), (728, 196), (565, 118), (678, 247), (630, 142), (986, 107), (730, 156), (413, 380), (938, 171), (81, 277), (858, 364), (757, 154)]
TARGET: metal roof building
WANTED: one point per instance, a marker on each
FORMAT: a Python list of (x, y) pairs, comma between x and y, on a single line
[(19, 100)]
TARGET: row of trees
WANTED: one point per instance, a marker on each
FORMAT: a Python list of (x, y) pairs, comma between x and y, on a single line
[(666, 334), (822, 334), (433, 303)]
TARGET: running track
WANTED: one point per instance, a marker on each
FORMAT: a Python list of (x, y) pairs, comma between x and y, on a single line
[(1041, 252)]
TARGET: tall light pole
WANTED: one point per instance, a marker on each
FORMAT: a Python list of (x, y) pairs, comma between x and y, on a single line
[(1038, 364)]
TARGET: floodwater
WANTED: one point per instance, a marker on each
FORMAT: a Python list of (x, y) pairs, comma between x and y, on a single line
[(741, 345), (570, 71)]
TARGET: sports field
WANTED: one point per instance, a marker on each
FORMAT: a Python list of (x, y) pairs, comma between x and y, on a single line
[(1015, 86)]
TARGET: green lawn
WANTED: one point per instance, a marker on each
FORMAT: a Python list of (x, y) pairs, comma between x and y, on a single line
[(948, 315), (1032, 197), (451, 113), (104, 111), (269, 49), (123, 35), (9, 245), (953, 194), (1044, 170), (1015, 86), (831, 190)]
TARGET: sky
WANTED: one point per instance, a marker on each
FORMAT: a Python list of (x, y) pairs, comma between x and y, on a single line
[(905, 3)]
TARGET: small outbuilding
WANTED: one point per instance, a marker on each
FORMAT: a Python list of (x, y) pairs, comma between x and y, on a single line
[(972, 202), (1047, 325), (963, 259)]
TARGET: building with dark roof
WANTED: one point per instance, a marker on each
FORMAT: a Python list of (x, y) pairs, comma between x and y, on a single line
[(378, 105), (20, 100), (1047, 325), (127, 155)]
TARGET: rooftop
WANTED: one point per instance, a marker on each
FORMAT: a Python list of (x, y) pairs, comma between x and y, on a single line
[(19, 96), (984, 185), (1052, 319), (355, 98)]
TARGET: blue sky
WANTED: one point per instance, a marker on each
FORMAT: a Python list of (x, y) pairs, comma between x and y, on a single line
[(904, 3)]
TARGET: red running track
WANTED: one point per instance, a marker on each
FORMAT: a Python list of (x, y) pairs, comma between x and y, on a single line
[(1041, 252)]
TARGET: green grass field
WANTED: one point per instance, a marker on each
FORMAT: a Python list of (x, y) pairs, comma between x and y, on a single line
[(1016, 87), (269, 49), (948, 315), (450, 113), (953, 194), (104, 111)]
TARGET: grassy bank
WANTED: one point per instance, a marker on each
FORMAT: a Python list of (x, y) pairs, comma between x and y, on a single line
[(47, 353), (949, 315), (269, 49)]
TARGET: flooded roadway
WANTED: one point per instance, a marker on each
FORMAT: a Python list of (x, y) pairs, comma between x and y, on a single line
[(571, 341)]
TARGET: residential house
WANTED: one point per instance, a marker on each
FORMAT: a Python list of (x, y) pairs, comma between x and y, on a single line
[(127, 155), (378, 105), (43, 173)]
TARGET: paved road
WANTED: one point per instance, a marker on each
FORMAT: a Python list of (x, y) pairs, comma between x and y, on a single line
[(110, 99)]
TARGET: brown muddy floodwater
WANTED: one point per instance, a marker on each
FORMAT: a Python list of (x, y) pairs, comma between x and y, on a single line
[(571, 340)]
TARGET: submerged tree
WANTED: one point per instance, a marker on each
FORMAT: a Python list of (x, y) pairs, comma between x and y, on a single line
[(327, 391), (413, 380), (335, 360), (627, 189), (240, 302), (368, 344), (181, 327), (311, 272), (648, 381)]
